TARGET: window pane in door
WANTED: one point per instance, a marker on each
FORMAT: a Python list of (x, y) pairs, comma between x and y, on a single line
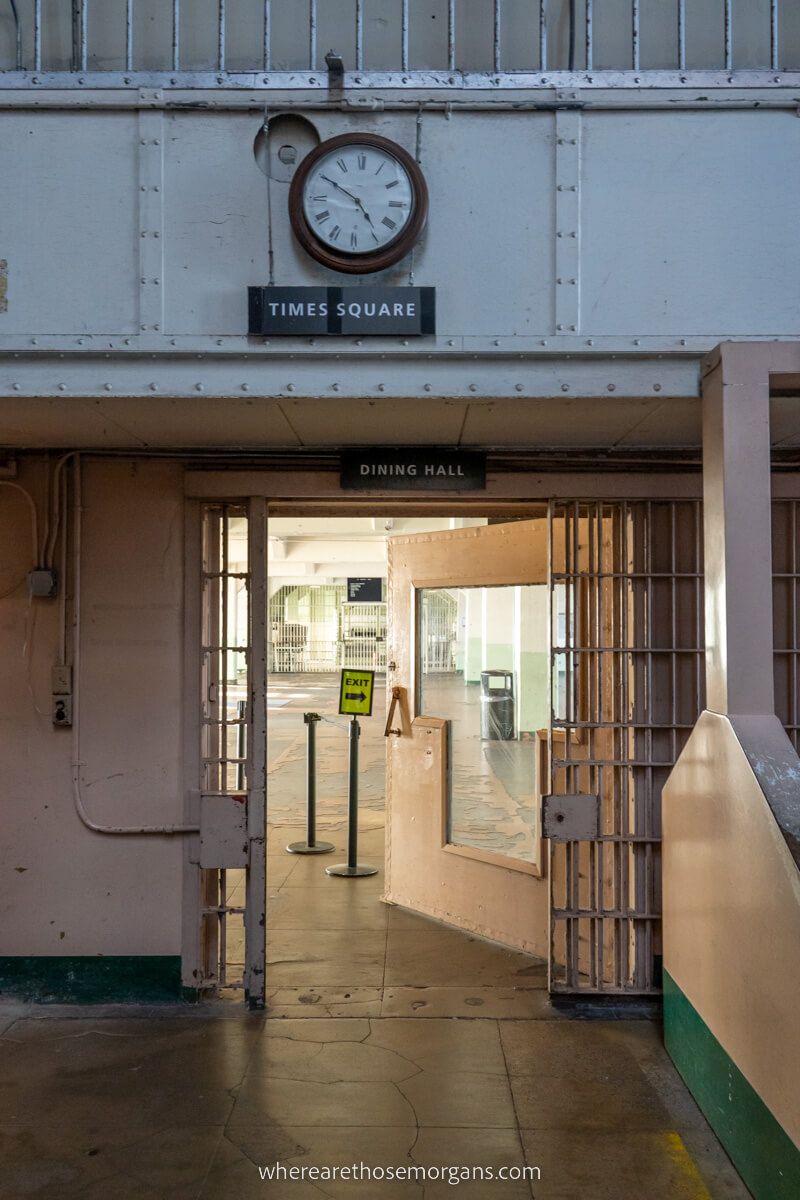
[(482, 665)]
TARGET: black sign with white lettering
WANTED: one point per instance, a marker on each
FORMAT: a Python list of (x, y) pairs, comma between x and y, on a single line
[(335, 311), (365, 591), (414, 469)]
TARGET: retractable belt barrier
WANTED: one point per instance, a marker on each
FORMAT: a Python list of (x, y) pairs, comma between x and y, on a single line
[(352, 868), (355, 699), (311, 845)]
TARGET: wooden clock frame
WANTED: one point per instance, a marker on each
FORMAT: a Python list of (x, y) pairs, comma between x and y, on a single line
[(342, 260)]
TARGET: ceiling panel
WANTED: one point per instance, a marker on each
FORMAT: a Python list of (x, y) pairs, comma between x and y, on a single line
[(384, 422), (673, 422), (146, 421), (561, 422), (257, 423)]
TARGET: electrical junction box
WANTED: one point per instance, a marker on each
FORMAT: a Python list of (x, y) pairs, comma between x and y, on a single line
[(43, 583), (223, 830), (571, 818)]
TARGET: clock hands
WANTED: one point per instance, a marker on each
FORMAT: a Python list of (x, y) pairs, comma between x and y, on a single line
[(350, 194), (341, 189)]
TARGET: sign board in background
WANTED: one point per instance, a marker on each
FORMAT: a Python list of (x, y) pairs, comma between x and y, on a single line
[(355, 693), (413, 469), (365, 591), (335, 311)]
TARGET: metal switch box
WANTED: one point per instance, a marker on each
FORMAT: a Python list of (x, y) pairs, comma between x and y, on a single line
[(62, 710), (571, 818), (223, 830)]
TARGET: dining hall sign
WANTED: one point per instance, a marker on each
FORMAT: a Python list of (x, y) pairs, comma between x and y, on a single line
[(417, 469)]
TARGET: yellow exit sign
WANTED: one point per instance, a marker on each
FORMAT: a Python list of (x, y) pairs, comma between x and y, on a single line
[(355, 693)]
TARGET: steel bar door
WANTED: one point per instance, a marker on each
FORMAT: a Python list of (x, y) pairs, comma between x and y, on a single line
[(627, 684), (233, 738)]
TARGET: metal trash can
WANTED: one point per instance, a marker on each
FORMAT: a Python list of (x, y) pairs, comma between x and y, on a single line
[(497, 706)]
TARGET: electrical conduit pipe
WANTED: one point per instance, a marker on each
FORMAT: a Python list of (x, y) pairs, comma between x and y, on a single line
[(76, 696)]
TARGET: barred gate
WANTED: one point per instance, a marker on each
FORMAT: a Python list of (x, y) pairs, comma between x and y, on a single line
[(363, 636), (314, 629), (627, 672), (786, 614), (225, 675), (439, 633)]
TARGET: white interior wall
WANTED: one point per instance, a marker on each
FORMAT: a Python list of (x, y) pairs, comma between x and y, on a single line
[(497, 628)]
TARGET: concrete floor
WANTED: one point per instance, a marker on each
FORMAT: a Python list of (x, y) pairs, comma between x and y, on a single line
[(390, 1040), (186, 1105)]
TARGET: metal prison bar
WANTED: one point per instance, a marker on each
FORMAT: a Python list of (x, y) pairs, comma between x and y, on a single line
[(538, 25), (627, 615), (786, 614), (627, 648), (225, 674), (313, 628)]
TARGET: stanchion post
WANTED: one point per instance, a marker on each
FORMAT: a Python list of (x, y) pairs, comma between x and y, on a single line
[(311, 845), (352, 796), (352, 868)]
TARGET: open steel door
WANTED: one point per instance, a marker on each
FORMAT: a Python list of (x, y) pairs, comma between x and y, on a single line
[(467, 654), (593, 733)]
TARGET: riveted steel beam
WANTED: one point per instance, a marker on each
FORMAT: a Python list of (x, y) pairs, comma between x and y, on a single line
[(466, 377), (568, 221), (405, 81), (151, 220)]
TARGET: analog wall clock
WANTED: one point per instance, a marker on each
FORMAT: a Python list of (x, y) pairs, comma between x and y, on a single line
[(358, 203)]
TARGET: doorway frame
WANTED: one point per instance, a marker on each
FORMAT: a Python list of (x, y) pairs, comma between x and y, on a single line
[(269, 492)]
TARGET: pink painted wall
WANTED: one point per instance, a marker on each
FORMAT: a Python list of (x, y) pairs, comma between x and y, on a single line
[(64, 889)]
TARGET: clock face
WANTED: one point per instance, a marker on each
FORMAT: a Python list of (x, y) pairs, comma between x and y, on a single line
[(358, 203), (358, 198)]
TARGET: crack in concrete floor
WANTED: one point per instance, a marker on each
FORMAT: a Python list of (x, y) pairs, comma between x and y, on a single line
[(301, 1095)]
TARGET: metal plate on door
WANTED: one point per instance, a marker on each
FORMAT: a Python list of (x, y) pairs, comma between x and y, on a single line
[(223, 830), (571, 818)]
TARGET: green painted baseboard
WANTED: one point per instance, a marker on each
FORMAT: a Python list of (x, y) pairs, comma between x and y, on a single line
[(763, 1153), (92, 979)]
